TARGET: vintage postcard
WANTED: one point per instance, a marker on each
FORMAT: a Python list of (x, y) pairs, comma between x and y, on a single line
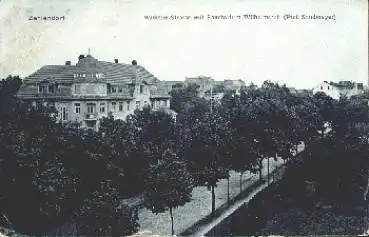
[(184, 117)]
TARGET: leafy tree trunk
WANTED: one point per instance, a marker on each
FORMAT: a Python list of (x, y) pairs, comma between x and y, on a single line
[(171, 218), (260, 169), (212, 200), (297, 149), (367, 187), (268, 172), (228, 197), (241, 173)]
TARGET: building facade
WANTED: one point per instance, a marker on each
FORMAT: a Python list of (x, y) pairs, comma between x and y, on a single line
[(342, 88), (90, 90)]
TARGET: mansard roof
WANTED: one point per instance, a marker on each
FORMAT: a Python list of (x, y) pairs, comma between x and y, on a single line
[(113, 73)]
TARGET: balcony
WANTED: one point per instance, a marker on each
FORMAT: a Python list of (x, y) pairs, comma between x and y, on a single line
[(91, 116)]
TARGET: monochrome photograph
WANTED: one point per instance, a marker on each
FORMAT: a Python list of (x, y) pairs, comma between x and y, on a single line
[(184, 118)]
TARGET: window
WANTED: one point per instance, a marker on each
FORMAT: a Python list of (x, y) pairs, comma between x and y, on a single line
[(166, 103), (138, 103), (102, 107), (128, 106), (51, 89), (77, 89), (120, 106), (90, 108), (141, 89), (41, 88), (113, 90), (113, 104), (321, 87), (77, 107), (64, 114), (120, 90), (328, 87)]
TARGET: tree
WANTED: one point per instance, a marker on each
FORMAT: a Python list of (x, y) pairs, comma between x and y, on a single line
[(181, 96), (207, 156), (102, 214), (121, 137), (156, 131), (168, 185)]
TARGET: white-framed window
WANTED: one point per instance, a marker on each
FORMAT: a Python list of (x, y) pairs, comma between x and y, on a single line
[(128, 105), (121, 106), (138, 104), (102, 107), (120, 89), (90, 108), (113, 89), (113, 105), (77, 108), (141, 89)]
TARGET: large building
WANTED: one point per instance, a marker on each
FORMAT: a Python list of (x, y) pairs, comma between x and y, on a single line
[(91, 89), (342, 88)]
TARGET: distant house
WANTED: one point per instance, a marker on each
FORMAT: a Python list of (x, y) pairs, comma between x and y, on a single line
[(342, 88), (90, 90), (208, 87), (204, 83), (295, 91)]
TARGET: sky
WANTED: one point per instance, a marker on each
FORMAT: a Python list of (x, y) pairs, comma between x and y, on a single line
[(297, 52)]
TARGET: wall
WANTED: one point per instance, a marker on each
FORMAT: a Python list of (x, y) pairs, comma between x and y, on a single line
[(143, 98), (98, 89), (328, 90), (336, 93)]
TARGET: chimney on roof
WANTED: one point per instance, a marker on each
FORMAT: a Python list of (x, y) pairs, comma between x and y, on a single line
[(67, 63), (116, 60), (81, 56), (134, 62)]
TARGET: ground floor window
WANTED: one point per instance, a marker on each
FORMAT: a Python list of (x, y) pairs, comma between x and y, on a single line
[(64, 114)]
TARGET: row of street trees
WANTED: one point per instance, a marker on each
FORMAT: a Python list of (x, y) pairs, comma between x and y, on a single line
[(79, 174)]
